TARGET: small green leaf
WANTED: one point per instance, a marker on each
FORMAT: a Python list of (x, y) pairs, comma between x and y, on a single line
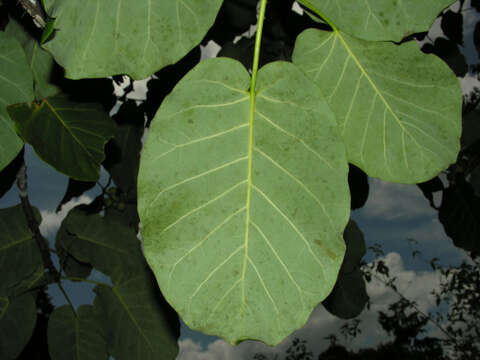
[(109, 247), (48, 31), (137, 38), (380, 19), (243, 204), (80, 337), (16, 85), (70, 136), (19, 254), (399, 110), (141, 324), (18, 317)]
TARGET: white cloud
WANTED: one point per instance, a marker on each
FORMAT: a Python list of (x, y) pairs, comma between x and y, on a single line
[(51, 220), (414, 286), (396, 201)]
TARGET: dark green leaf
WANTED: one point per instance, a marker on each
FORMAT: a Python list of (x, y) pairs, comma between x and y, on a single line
[(69, 136), (80, 337), (17, 321), (20, 257), (141, 325), (110, 247)]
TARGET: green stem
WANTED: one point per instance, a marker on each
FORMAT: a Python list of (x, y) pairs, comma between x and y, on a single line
[(258, 41), (312, 7)]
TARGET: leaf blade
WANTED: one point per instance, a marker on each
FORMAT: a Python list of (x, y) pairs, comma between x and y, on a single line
[(399, 110), (181, 224)]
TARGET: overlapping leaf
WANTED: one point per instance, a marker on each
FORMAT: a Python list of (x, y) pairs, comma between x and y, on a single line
[(100, 38), (398, 110), (79, 336), (380, 19), (39, 60), (19, 254), (349, 296), (16, 85), (17, 321), (140, 323), (70, 136), (243, 204), (110, 247)]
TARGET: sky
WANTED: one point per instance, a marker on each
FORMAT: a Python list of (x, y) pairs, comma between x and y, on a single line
[(392, 214)]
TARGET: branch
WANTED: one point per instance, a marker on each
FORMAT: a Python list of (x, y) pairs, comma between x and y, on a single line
[(34, 226)]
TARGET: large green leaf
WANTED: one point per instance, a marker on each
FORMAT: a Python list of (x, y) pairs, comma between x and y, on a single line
[(39, 60), (140, 323), (110, 247), (398, 109), (76, 337), (17, 321), (242, 204), (16, 85), (380, 19), (19, 255), (100, 38), (70, 136)]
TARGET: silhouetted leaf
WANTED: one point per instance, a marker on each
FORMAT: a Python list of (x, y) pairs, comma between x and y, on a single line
[(20, 258), (452, 26), (460, 215), (123, 151), (140, 323), (136, 38), (9, 174), (16, 86), (250, 224), (399, 110), (359, 188), (80, 337), (75, 188), (349, 296), (17, 321), (69, 136)]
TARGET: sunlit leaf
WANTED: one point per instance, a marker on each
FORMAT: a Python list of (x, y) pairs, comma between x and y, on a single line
[(17, 321), (79, 337), (70, 136), (381, 19), (243, 205), (20, 258), (399, 111), (140, 323), (137, 38), (16, 85)]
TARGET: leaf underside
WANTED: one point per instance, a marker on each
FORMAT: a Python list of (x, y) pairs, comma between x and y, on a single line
[(137, 38), (242, 217), (380, 19), (398, 110)]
